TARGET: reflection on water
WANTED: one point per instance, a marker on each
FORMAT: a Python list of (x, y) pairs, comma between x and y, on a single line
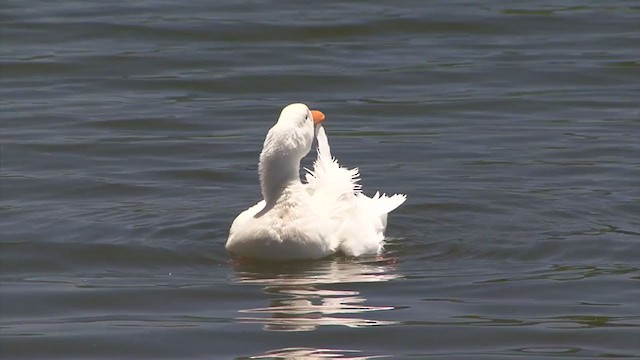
[(301, 297), (311, 354)]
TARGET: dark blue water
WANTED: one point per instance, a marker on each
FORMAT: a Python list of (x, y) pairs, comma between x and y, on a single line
[(129, 139)]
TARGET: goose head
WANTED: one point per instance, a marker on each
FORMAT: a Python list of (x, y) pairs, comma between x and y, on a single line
[(287, 142)]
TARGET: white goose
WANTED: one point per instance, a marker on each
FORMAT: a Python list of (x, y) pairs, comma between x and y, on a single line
[(327, 215)]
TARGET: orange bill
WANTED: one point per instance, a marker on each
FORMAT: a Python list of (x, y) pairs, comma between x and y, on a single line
[(318, 116)]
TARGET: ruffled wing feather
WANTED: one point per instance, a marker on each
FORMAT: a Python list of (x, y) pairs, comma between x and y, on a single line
[(359, 220)]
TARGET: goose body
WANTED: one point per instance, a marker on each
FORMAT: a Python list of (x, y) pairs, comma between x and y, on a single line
[(326, 215)]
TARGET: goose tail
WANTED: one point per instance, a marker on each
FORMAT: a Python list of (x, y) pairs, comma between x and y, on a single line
[(386, 204)]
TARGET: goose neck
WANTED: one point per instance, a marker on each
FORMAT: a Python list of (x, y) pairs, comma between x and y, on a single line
[(277, 175)]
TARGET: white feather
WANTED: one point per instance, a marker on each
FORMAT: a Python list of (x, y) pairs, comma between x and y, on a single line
[(360, 220)]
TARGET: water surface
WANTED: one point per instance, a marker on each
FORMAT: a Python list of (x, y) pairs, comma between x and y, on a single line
[(129, 139)]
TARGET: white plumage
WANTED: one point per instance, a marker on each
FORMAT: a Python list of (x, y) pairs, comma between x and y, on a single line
[(329, 214)]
